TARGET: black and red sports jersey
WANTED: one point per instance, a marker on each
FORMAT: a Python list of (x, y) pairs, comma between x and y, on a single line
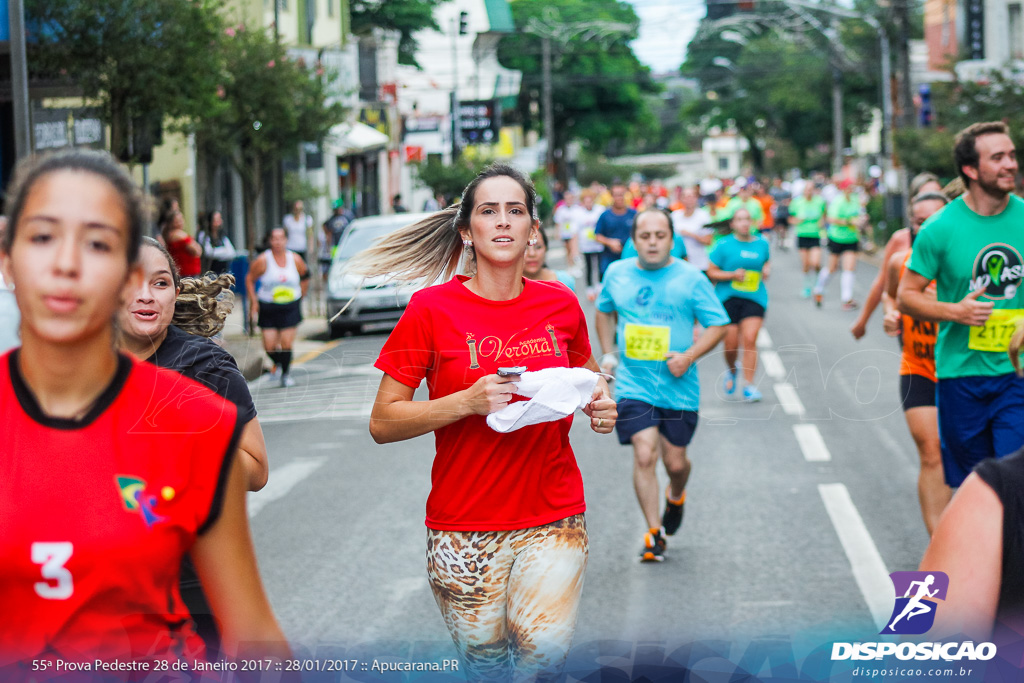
[(97, 513)]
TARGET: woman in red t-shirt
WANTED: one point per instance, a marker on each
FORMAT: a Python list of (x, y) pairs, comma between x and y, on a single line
[(185, 251), (506, 542), (107, 478)]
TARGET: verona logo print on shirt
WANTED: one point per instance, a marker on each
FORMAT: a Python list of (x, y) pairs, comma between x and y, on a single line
[(998, 270), (512, 350)]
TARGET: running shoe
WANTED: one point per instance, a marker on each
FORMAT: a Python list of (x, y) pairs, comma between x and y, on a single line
[(751, 394), (807, 293), (850, 305), (729, 382), (654, 547), (275, 374), (817, 299), (287, 381), (673, 517)]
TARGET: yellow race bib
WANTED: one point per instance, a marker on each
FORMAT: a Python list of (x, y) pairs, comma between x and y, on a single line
[(284, 295), (996, 332), (750, 282), (647, 342)]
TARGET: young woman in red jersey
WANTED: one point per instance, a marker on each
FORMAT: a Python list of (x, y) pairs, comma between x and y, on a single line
[(108, 479), (506, 540)]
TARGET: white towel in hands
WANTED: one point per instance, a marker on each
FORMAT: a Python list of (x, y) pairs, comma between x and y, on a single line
[(554, 393)]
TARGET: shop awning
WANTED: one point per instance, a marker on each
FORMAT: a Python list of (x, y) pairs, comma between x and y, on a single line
[(353, 138)]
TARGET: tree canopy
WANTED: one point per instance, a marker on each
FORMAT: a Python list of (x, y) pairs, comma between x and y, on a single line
[(770, 75), (404, 16), (598, 83), (139, 59), (270, 104)]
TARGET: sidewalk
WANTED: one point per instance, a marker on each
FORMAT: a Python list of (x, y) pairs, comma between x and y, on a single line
[(248, 351)]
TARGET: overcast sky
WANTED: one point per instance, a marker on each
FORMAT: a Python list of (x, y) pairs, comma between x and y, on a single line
[(666, 26)]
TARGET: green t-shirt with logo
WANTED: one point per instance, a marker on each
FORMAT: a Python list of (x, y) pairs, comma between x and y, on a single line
[(752, 206), (809, 212), (963, 251), (844, 209)]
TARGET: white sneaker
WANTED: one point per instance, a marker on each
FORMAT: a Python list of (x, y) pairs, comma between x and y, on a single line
[(287, 381), (275, 375)]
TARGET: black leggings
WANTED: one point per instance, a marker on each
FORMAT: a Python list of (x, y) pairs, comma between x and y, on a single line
[(593, 261)]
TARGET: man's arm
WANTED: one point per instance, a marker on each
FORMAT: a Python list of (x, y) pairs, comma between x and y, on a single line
[(912, 300)]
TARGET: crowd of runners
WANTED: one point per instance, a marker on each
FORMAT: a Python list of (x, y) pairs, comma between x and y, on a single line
[(124, 540)]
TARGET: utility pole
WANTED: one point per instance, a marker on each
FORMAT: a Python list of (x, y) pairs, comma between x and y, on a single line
[(838, 139), (19, 79), (550, 28), (901, 13), (549, 114), (456, 118)]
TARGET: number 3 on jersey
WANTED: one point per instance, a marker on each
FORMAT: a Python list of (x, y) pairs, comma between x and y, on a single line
[(53, 557)]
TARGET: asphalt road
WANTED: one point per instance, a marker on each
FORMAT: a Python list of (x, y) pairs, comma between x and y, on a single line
[(798, 507)]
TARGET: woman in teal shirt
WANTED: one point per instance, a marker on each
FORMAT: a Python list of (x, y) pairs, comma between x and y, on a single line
[(739, 267)]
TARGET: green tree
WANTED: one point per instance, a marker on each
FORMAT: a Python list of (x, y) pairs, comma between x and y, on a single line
[(270, 104), (141, 60), (404, 16), (598, 83), (448, 180), (996, 96), (777, 82)]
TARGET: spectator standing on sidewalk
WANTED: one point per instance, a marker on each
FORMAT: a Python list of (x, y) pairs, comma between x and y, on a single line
[(218, 252), (186, 252), (296, 226)]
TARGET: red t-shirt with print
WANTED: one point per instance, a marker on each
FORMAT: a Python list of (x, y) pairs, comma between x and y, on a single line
[(483, 480)]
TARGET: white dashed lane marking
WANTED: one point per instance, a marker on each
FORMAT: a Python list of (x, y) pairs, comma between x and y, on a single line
[(868, 568), (811, 443)]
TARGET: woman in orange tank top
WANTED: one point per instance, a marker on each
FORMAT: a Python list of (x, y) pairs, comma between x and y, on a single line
[(917, 372)]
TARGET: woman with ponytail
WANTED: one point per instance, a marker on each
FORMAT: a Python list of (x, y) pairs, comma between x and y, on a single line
[(506, 538)]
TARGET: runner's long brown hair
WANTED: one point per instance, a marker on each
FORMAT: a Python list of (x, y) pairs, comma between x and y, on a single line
[(432, 249)]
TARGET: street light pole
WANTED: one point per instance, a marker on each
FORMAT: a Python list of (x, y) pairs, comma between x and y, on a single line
[(19, 80), (549, 115), (456, 114)]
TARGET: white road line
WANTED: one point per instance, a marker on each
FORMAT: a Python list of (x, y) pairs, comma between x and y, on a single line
[(764, 340), (811, 443), (788, 398), (772, 364), (281, 481), (868, 568)]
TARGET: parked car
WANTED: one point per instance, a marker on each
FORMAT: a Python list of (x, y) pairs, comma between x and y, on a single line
[(374, 300), (9, 318)]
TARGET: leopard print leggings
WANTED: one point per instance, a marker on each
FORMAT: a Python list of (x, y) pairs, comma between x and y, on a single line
[(510, 598)]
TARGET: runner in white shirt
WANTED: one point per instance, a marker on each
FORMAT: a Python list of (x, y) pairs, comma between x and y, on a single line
[(587, 214), (297, 224), (690, 223), (565, 220)]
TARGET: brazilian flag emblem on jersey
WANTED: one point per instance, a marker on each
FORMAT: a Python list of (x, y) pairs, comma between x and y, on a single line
[(131, 489), (134, 498)]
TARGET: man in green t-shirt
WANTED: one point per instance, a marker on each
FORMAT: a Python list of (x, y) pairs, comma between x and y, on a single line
[(807, 215), (972, 249), (745, 199), (843, 219)]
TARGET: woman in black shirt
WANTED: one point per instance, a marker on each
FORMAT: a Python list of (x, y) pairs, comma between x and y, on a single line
[(168, 322)]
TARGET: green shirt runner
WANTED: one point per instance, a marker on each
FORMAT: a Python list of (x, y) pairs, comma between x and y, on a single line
[(843, 209), (809, 212), (962, 252)]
